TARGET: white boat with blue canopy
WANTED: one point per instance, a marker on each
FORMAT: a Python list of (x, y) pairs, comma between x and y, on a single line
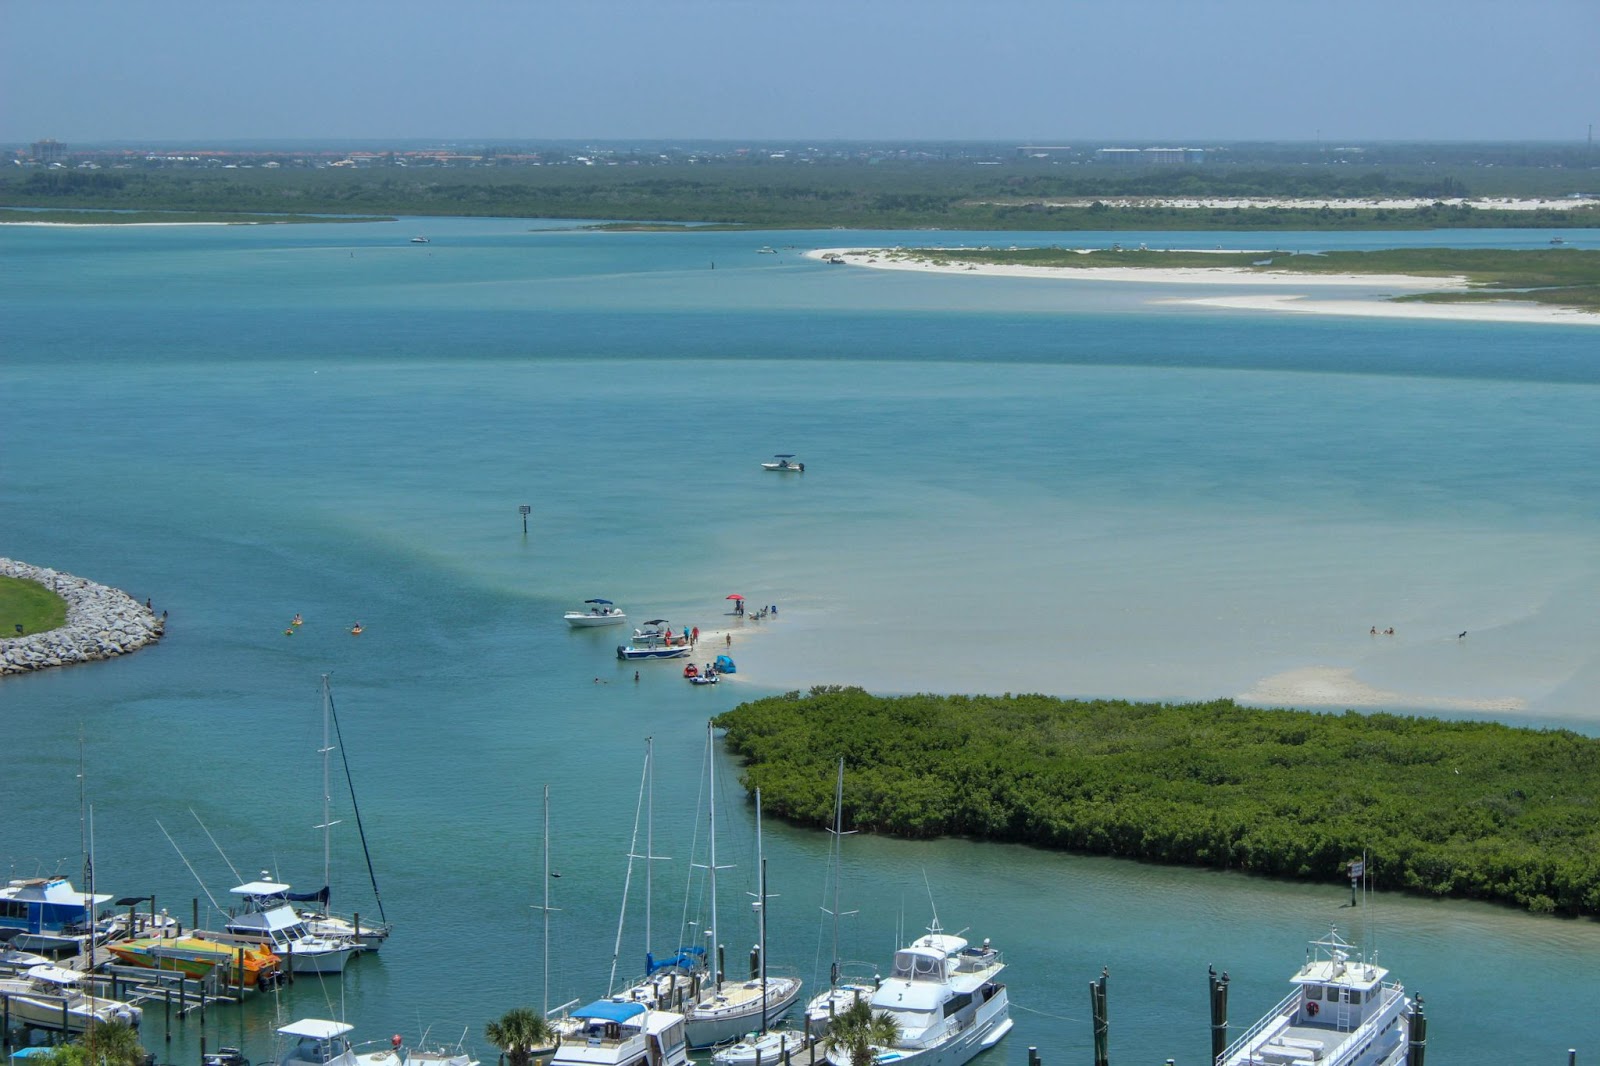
[(598, 613), (611, 1033)]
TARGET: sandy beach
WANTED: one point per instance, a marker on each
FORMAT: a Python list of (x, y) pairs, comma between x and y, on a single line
[(1331, 686), (1297, 301)]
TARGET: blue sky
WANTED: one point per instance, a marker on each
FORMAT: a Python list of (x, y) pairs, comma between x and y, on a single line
[(1043, 71)]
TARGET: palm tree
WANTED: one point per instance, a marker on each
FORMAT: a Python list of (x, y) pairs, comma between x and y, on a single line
[(103, 1044), (519, 1033), (860, 1032)]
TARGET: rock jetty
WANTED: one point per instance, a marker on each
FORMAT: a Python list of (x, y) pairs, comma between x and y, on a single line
[(102, 622)]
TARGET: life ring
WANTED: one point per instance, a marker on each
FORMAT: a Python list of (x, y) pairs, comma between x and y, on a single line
[(1311, 1009)]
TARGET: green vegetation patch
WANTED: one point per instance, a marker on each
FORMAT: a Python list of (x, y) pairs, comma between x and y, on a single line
[(1566, 277), (1471, 809), (30, 605)]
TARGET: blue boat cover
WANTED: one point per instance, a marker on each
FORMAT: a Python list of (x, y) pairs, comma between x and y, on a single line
[(686, 959), (607, 1011), (319, 896)]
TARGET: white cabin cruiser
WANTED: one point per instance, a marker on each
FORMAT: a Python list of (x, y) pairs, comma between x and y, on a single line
[(946, 998), (269, 919), (1343, 1012), (46, 914), (53, 997), (599, 613), (319, 1042), (607, 1033)]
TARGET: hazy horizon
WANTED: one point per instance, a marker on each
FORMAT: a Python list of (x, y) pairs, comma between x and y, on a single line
[(832, 71)]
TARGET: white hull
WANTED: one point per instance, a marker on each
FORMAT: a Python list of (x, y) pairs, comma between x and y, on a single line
[(27, 1006), (764, 1049), (580, 620), (719, 1020), (627, 652), (992, 1023)]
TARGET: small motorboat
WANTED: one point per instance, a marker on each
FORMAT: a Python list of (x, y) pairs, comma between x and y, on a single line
[(420, 240), (785, 462), (707, 678), (724, 665), (652, 651), (599, 613)]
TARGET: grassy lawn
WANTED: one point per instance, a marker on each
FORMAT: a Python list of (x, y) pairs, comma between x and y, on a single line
[(30, 605)]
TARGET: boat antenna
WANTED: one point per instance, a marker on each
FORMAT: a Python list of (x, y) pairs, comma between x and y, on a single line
[(935, 927), (186, 863), (354, 806), (214, 844)]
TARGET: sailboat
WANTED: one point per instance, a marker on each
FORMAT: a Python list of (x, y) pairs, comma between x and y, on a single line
[(763, 1045), (368, 936), (725, 1010), (842, 992)]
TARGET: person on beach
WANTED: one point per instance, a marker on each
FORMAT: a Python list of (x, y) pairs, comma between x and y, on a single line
[(729, 638), (694, 638), (1373, 631)]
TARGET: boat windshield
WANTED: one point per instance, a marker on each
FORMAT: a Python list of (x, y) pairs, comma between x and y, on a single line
[(918, 966)]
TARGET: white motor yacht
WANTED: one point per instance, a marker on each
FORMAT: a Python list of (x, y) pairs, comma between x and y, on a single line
[(945, 997), (53, 997), (607, 1033), (1343, 1012), (269, 919), (319, 1042)]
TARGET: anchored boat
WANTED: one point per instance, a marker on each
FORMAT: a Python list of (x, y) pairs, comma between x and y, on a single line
[(1344, 1011)]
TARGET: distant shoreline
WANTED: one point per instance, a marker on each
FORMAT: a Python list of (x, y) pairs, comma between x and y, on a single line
[(1282, 302)]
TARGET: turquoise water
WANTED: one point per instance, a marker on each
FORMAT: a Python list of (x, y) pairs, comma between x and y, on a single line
[(1013, 485)]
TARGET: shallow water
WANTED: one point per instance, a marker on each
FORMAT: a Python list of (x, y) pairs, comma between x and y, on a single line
[(1010, 486)]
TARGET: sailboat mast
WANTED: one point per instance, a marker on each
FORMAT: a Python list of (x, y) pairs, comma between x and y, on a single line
[(649, 845), (544, 1006), (327, 826), (761, 902), (838, 856), (711, 757)]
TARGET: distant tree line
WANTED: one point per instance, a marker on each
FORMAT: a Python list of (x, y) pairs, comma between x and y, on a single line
[(1472, 809), (889, 197)]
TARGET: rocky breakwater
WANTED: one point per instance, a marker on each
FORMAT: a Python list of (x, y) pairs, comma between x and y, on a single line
[(101, 623)]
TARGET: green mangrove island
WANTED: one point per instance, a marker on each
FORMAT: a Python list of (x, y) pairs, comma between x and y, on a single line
[(1470, 809), (1559, 276)]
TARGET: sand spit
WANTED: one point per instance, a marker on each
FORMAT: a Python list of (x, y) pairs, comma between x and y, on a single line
[(1331, 686), (1294, 301)]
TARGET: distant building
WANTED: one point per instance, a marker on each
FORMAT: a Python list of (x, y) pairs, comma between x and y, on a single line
[(1043, 151), (47, 151), (1150, 156)]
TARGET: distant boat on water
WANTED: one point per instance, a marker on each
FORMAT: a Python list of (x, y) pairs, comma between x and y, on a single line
[(420, 240)]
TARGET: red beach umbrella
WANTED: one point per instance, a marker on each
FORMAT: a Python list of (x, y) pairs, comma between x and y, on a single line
[(735, 596)]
